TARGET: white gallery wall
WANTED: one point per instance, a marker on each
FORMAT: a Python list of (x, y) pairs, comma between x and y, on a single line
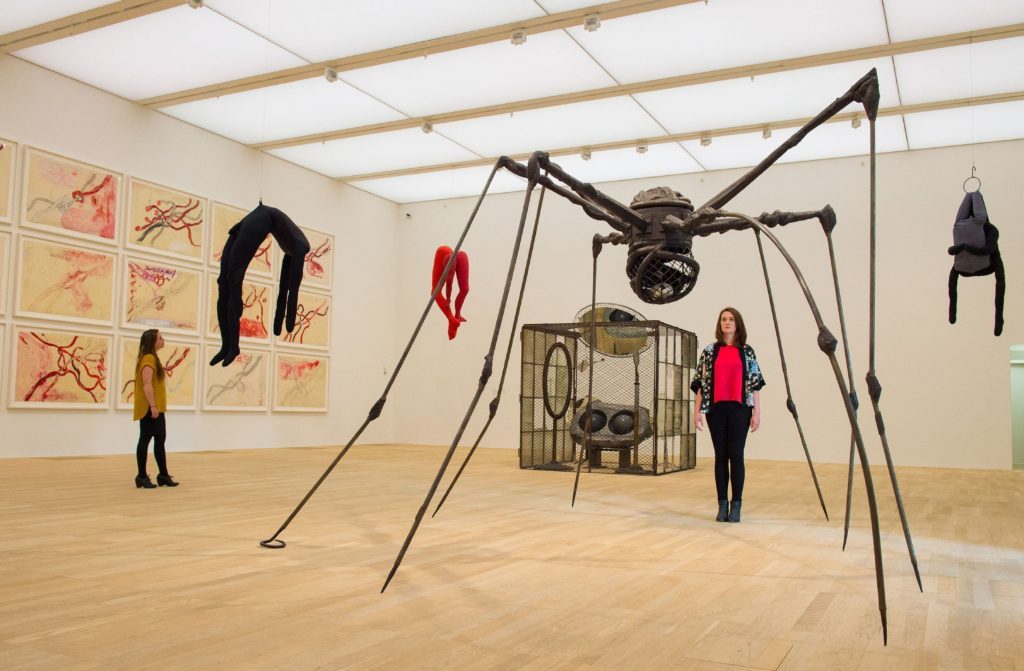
[(50, 112), (946, 388)]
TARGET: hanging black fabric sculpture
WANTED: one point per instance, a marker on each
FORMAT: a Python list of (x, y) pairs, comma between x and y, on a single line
[(244, 239), (976, 252)]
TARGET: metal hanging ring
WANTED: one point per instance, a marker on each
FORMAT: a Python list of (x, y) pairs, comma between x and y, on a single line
[(977, 179)]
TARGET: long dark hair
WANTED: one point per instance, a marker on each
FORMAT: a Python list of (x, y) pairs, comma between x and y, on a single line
[(740, 339), (147, 345)]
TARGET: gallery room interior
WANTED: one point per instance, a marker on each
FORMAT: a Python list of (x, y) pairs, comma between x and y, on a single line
[(306, 531)]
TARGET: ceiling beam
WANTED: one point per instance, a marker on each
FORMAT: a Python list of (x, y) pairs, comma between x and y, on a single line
[(535, 26), (83, 22), (785, 65), (696, 135)]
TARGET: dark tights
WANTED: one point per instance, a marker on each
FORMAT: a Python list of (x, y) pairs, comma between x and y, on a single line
[(157, 430), (728, 423)]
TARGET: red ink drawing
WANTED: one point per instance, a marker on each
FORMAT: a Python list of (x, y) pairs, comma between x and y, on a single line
[(172, 378), (88, 207), (313, 267), (305, 319), (52, 362), (84, 266), (166, 215)]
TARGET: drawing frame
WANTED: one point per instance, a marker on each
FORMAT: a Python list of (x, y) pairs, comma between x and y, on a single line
[(257, 310), (30, 274), (317, 333), (181, 208), (222, 218), (127, 353), (318, 266), (5, 268), (285, 391), (42, 174), (8, 172), (215, 376), (98, 343), (145, 277)]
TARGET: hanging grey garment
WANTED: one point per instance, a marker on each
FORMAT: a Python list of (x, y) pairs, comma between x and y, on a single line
[(976, 252), (969, 231)]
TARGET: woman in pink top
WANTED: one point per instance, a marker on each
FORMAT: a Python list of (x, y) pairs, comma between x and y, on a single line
[(727, 383)]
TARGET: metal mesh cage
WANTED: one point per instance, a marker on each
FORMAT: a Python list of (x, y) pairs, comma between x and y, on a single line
[(642, 403)]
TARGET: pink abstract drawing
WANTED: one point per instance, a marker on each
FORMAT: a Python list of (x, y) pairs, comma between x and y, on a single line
[(244, 382), (300, 384), (254, 308), (309, 315), (60, 368), (173, 362), (288, 370), (159, 295), (313, 266), (165, 215), (83, 200), (78, 270)]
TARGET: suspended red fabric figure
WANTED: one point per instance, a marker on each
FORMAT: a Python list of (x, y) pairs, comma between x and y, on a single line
[(460, 270)]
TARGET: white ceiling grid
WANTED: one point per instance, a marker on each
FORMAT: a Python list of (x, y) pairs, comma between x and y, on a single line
[(180, 49)]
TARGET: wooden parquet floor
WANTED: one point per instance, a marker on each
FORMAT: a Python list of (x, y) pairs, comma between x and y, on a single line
[(96, 574)]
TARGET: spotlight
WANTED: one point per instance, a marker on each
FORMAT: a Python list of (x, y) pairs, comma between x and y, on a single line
[(519, 37), (591, 23), (427, 127), (585, 154), (641, 149), (705, 140), (766, 133), (330, 74), (195, 4), (855, 122)]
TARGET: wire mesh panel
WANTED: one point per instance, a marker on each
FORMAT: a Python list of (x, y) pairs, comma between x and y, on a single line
[(641, 409)]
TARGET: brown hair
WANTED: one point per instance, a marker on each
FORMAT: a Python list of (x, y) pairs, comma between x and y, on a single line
[(147, 345), (740, 339)]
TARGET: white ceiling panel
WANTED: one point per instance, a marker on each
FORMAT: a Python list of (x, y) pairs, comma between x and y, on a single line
[(548, 64), (287, 110), (396, 150), (912, 19), (616, 164), (721, 34), (322, 30), (438, 185), (159, 53), (556, 6), (961, 72), (550, 128), (966, 125), (832, 140), (774, 97), (20, 15)]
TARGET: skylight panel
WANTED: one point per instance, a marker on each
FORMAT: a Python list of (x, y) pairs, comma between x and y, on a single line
[(964, 71), (966, 125), (437, 185), (20, 15), (914, 19)]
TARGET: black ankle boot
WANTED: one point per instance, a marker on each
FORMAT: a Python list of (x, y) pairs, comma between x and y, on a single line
[(734, 511), (165, 481), (143, 481), (723, 511)]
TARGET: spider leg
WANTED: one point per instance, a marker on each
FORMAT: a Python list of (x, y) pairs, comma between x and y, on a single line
[(827, 343), (485, 373), (493, 407), (273, 542)]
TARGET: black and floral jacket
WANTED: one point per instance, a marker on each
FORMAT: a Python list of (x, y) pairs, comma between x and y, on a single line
[(704, 375)]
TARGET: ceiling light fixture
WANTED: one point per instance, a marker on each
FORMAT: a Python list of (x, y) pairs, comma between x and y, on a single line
[(705, 140), (195, 4), (766, 133), (641, 149), (855, 122), (585, 154), (427, 127), (330, 74), (591, 22), (519, 37)]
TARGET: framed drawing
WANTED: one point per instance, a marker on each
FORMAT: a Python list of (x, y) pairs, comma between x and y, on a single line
[(257, 312), (5, 266), (224, 217), (58, 369), (300, 382), (8, 159), (161, 295), (180, 360), (64, 196), (312, 322), (318, 268), (165, 221), (58, 280), (240, 386)]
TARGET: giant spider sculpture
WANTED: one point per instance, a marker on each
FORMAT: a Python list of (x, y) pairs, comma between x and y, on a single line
[(659, 229)]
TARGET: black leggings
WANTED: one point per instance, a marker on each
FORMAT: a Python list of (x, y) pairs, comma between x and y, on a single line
[(728, 423), (157, 430)]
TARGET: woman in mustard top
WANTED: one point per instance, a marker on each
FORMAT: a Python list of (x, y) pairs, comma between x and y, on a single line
[(150, 406)]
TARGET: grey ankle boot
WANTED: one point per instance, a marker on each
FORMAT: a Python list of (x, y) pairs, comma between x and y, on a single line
[(734, 511), (723, 511)]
